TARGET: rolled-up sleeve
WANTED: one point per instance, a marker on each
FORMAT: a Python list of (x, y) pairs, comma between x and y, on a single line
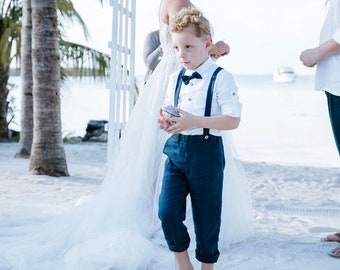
[(227, 95)]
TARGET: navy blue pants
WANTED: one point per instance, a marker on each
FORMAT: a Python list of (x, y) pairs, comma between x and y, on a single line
[(334, 116), (194, 166)]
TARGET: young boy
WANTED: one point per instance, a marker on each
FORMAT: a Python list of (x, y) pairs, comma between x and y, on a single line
[(206, 99)]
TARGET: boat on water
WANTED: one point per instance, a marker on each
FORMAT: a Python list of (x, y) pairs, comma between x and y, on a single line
[(284, 75)]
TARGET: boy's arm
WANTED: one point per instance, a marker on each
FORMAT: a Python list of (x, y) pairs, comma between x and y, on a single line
[(189, 121), (221, 122)]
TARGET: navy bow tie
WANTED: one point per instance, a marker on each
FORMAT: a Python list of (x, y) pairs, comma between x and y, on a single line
[(186, 79)]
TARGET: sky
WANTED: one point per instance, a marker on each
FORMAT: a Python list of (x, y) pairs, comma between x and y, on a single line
[(262, 34)]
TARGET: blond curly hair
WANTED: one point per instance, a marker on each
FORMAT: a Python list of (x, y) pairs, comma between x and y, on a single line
[(190, 17)]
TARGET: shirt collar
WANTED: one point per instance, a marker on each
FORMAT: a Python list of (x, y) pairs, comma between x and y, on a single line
[(202, 69)]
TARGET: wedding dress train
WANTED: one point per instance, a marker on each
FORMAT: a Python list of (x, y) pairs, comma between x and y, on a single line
[(119, 228)]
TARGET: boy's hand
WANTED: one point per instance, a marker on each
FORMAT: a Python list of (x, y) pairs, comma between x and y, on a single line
[(163, 122), (179, 124)]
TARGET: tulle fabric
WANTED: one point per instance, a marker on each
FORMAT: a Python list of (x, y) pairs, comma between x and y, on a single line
[(119, 227)]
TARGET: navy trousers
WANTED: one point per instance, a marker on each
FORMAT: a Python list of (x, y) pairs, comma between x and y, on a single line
[(194, 166), (334, 116)]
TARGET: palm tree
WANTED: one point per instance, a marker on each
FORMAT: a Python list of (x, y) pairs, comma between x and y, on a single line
[(26, 134), (10, 14), (10, 41), (48, 155), (80, 59)]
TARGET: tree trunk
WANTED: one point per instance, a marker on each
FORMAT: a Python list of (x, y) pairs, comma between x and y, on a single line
[(48, 154), (4, 75), (26, 134)]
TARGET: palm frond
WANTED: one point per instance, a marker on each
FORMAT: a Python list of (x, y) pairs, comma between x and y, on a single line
[(10, 37), (79, 60), (68, 14)]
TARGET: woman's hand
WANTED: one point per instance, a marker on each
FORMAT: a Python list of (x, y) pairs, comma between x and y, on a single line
[(219, 49), (309, 57)]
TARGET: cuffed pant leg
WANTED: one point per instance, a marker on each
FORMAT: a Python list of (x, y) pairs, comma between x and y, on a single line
[(207, 207)]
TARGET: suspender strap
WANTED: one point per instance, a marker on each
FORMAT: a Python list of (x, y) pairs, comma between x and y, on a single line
[(178, 86), (209, 97)]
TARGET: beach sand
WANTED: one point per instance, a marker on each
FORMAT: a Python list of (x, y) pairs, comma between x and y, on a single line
[(294, 206)]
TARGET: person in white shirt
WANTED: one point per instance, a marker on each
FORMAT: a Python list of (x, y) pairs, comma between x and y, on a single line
[(206, 98), (326, 58)]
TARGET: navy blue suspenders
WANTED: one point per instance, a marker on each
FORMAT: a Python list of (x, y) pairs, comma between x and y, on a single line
[(178, 86), (208, 98)]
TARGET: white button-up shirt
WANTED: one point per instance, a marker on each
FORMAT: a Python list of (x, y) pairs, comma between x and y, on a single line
[(327, 75), (192, 97)]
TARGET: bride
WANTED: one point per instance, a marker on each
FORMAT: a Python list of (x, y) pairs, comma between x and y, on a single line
[(119, 228)]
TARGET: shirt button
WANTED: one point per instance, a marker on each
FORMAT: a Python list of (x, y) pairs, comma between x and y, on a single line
[(189, 99), (206, 137), (191, 84)]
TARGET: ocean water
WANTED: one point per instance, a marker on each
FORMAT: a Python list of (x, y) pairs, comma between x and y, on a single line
[(81, 101), (284, 123)]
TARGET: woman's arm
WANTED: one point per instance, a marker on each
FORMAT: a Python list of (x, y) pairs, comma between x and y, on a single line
[(152, 51), (310, 57)]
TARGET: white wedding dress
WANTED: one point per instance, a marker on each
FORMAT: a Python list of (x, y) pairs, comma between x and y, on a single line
[(119, 229)]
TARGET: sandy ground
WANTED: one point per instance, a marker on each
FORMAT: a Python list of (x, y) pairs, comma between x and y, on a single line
[(294, 206)]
